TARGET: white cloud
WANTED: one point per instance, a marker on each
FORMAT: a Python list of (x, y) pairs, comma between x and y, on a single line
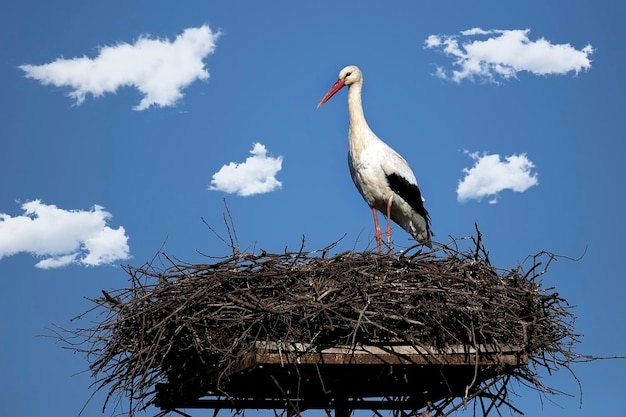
[(62, 237), (255, 176), (158, 68), (501, 54), (490, 175)]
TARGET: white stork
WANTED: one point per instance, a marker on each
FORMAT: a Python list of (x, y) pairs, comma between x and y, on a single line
[(382, 176)]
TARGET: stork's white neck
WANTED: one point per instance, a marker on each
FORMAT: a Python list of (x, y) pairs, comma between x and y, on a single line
[(360, 134), (355, 106)]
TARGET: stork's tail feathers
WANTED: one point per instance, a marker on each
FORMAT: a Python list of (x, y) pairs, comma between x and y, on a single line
[(425, 240)]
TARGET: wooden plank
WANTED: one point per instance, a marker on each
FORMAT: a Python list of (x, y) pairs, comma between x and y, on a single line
[(217, 403), (274, 353), (276, 372)]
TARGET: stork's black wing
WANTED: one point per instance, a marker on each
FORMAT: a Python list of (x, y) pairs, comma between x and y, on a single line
[(409, 193)]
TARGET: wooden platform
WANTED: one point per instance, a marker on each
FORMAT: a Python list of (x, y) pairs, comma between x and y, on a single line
[(383, 377)]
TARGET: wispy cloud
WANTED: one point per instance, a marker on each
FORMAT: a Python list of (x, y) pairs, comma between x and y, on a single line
[(62, 237), (491, 55), (158, 68), (490, 175), (255, 176)]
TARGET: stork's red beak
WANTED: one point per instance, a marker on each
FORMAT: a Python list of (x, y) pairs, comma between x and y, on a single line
[(333, 90)]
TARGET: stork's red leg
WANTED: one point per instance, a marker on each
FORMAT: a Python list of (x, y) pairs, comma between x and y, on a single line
[(389, 222), (379, 234)]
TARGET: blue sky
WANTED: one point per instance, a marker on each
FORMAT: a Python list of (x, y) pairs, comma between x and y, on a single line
[(125, 123)]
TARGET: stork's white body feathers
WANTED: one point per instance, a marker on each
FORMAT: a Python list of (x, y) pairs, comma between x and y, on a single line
[(370, 178), (382, 176)]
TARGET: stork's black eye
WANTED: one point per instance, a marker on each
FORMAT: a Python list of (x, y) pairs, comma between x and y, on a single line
[(348, 74)]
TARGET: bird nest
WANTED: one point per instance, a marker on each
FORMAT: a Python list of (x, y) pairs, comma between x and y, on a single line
[(189, 326)]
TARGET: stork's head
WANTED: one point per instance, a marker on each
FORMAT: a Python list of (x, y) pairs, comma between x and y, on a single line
[(350, 75), (347, 76)]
